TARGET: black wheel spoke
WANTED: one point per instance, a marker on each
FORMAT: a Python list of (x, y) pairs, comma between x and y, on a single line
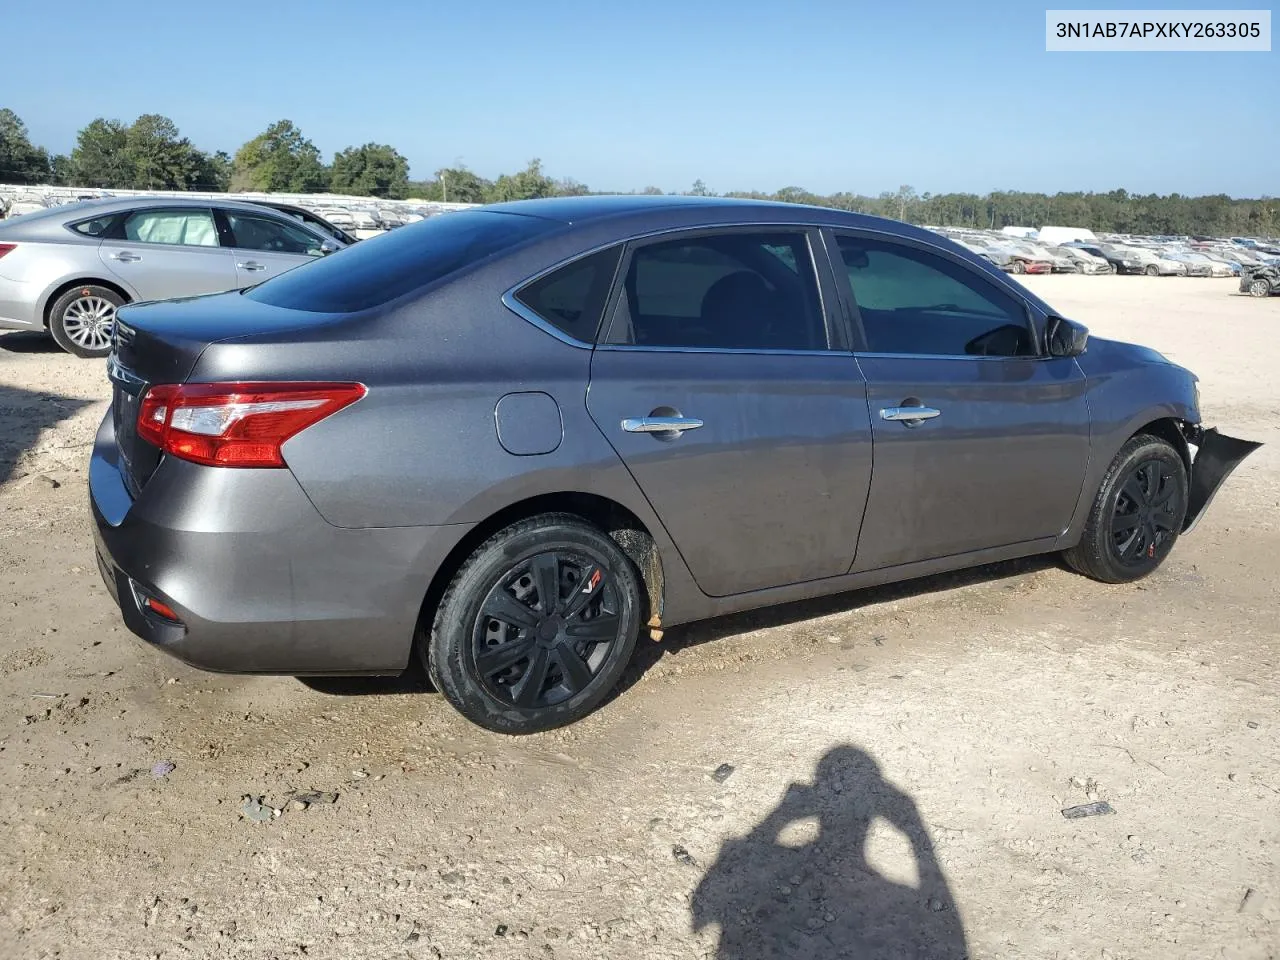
[(1163, 521), (529, 688), (1133, 490), (596, 630), (546, 575), (587, 589), (501, 605), (1150, 480), (576, 672), (1160, 499), (1125, 522), (496, 659), (1131, 547)]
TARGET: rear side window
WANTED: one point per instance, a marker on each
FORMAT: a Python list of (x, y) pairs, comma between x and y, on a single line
[(186, 228), (373, 272), (572, 298), (731, 291)]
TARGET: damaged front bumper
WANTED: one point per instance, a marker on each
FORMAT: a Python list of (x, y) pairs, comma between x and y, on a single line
[(1216, 456)]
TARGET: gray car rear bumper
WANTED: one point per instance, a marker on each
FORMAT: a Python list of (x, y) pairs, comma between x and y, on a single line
[(261, 582)]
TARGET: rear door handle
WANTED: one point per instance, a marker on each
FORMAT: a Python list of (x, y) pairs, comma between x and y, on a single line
[(124, 256), (669, 425), (909, 415), (251, 265)]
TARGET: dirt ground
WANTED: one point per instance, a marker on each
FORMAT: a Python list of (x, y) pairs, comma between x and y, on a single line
[(900, 756)]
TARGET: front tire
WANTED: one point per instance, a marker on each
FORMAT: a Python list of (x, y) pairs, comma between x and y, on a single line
[(1019, 267), (1260, 287), (537, 626), (1137, 515), (81, 320)]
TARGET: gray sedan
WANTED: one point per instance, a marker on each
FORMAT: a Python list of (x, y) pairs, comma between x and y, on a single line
[(67, 269), (507, 441)]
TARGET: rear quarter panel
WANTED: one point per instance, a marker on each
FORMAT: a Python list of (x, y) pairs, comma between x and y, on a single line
[(422, 448)]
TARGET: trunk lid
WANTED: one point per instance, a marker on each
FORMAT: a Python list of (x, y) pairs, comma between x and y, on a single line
[(160, 342)]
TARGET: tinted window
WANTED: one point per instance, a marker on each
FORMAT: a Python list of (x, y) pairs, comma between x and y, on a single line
[(271, 236), (729, 291), (188, 228), (376, 271), (571, 298), (915, 302)]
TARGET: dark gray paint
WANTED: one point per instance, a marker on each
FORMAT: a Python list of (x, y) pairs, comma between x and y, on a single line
[(322, 568), (1003, 463), (528, 424), (770, 490)]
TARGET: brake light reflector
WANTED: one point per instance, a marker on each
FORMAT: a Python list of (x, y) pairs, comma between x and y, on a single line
[(162, 610), (237, 424), (6, 247)]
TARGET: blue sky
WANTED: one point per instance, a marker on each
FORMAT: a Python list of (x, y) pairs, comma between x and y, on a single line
[(750, 94)]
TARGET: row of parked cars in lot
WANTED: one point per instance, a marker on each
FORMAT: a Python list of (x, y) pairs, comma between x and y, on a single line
[(67, 268), (1150, 256)]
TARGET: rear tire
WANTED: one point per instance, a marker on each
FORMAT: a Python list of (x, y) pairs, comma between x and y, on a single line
[(1152, 270), (1137, 515), (81, 320), (1019, 267), (511, 660)]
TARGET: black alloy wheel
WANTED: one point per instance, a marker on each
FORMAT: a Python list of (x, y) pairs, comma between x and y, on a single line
[(537, 626)]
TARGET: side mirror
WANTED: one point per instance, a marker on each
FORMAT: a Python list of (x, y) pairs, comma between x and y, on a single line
[(329, 246), (1065, 338)]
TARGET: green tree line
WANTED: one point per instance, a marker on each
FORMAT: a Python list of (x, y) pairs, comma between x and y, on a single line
[(151, 154)]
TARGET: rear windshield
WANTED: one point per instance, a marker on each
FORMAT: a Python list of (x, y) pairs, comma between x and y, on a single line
[(380, 269)]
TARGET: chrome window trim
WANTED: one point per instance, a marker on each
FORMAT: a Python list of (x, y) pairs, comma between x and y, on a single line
[(520, 310), (515, 306)]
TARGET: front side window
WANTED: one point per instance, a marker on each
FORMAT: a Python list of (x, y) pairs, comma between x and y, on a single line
[(187, 228), (731, 291), (271, 236), (914, 302)]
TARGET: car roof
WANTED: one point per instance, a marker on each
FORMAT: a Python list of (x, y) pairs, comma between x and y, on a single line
[(637, 213), (115, 204)]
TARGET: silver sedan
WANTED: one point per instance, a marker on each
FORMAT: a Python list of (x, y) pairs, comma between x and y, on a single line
[(68, 268)]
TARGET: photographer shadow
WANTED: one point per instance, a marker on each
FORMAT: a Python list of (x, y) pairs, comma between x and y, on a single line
[(822, 899)]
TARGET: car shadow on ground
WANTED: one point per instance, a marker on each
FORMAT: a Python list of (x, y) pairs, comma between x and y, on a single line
[(813, 894), (28, 342), (24, 415), (414, 680), (682, 638)]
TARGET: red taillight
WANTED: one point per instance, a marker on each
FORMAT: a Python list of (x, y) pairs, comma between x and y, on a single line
[(237, 424), (6, 247)]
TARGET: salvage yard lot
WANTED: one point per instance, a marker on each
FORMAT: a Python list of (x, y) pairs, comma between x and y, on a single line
[(966, 710)]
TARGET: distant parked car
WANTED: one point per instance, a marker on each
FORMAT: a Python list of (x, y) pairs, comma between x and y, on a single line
[(67, 269), (311, 219), (1196, 265), (1084, 261), (1120, 261), (507, 441), (1260, 281)]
